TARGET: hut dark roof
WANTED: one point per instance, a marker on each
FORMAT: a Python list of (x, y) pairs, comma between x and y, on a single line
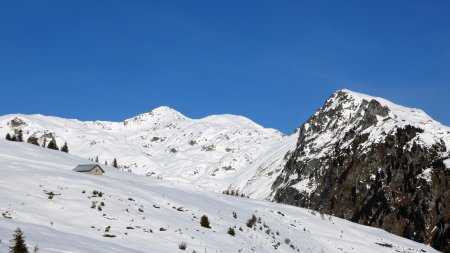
[(87, 167)]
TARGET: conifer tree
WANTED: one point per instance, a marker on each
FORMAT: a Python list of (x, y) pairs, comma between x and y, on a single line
[(231, 231), (14, 138), (96, 159), (18, 243), (52, 145), (44, 144), (115, 163), (8, 137), (20, 136), (204, 221), (65, 148)]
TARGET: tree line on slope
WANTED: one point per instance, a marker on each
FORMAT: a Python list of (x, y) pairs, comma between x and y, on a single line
[(113, 164), (33, 140), (18, 136)]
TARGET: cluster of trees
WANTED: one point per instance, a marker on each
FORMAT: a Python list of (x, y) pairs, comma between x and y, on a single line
[(33, 140), (15, 137), (233, 193), (18, 136), (18, 244), (114, 162)]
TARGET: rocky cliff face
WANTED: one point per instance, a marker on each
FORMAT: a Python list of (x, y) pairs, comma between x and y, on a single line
[(376, 163)]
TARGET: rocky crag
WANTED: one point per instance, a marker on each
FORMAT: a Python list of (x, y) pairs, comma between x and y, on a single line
[(373, 162)]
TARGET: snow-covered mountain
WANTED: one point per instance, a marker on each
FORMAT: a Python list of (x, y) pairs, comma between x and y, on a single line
[(358, 157), (218, 152), (374, 162), (61, 210)]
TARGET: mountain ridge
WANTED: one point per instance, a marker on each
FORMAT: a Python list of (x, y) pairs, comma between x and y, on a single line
[(364, 158), (165, 143)]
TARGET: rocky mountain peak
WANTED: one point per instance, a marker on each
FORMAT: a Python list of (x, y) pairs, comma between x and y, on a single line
[(369, 160), (346, 113)]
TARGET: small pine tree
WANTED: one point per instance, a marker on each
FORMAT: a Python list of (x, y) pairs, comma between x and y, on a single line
[(204, 221), (52, 145), (65, 148), (20, 136), (96, 159), (44, 144), (18, 243), (251, 221), (231, 231), (115, 163), (14, 138), (182, 246), (8, 137), (106, 162)]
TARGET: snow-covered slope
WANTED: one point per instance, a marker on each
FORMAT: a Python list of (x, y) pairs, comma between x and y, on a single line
[(217, 152), (150, 215)]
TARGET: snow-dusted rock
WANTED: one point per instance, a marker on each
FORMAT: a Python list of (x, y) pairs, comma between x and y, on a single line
[(374, 162)]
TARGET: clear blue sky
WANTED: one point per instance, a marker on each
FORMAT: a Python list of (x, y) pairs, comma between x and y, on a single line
[(272, 61)]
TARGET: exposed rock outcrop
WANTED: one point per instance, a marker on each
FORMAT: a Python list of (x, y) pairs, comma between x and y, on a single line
[(373, 162)]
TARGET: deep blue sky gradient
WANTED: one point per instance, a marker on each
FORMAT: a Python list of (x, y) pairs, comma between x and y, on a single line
[(272, 61)]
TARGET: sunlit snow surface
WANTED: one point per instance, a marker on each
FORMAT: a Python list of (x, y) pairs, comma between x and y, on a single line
[(216, 152), (134, 205)]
